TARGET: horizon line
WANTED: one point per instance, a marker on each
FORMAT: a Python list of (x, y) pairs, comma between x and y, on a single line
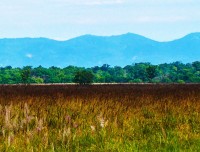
[(95, 35)]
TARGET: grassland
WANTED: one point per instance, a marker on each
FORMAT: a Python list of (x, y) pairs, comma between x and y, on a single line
[(100, 118)]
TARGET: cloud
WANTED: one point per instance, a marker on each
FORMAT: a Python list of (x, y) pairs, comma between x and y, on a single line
[(29, 55), (134, 58)]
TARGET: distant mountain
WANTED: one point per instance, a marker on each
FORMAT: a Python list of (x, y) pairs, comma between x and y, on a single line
[(89, 50)]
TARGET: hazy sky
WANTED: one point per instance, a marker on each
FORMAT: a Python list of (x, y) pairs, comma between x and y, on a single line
[(63, 19)]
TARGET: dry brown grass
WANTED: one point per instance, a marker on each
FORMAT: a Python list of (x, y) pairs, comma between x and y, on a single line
[(100, 118)]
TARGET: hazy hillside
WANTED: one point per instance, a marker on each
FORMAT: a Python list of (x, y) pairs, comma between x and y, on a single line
[(89, 50)]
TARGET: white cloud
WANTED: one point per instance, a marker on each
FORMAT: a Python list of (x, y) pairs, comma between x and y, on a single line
[(134, 58), (29, 55)]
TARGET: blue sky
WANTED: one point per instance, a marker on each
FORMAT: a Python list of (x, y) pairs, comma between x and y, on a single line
[(63, 19)]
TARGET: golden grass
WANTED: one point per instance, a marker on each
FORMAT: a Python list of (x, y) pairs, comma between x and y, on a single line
[(100, 118)]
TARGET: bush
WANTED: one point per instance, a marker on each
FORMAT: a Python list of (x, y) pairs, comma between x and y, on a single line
[(181, 81)]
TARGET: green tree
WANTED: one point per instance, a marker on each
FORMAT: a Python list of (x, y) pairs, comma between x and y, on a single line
[(26, 74), (83, 77), (105, 67), (37, 80), (196, 65), (151, 72), (129, 70), (140, 71), (41, 72)]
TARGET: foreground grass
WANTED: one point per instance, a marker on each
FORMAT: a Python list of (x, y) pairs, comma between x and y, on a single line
[(100, 118)]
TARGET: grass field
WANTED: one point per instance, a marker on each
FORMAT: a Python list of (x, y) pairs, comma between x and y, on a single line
[(100, 118)]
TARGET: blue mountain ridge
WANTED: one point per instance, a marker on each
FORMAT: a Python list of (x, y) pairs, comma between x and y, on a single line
[(90, 50)]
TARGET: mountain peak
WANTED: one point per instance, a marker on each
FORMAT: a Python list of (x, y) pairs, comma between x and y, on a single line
[(90, 50), (193, 35)]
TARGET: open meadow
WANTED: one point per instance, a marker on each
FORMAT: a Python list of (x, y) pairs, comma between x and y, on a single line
[(126, 117)]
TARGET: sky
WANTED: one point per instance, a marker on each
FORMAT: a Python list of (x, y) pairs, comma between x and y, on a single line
[(161, 20)]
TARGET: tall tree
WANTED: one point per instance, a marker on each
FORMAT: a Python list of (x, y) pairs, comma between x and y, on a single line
[(26, 74), (151, 72)]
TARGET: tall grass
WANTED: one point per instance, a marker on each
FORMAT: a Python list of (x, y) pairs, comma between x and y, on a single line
[(100, 118)]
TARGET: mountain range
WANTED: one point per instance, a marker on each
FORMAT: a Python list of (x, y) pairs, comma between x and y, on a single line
[(90, 50)]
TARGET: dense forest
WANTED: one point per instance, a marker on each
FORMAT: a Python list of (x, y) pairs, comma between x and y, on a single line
[(176, 72)]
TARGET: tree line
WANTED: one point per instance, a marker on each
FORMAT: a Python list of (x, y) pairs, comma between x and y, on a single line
[(175, 72)]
